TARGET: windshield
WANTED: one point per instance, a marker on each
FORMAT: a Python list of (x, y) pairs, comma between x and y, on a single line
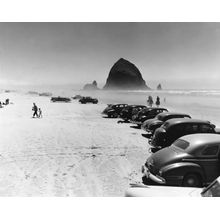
[(213, 190), (165, 125), (181, 144)]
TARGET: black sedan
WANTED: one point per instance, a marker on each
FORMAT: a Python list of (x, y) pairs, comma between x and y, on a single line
[(130, 110), (145, 114), (60, 99), (151, 125), (192, 160), (88, 99), (113, 111)]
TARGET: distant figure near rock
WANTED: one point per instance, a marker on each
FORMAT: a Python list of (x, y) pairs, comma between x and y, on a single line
[(92, 86), (159, 87), (125, 75)]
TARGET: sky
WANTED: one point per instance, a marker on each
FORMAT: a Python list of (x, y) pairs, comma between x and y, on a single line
[(177, 55)]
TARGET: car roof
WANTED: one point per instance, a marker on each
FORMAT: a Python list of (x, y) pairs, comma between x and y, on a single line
[(152, 108), (172, 113), (196, 140), (174, 121)]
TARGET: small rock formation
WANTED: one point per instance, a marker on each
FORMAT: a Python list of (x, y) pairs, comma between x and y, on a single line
[(159, 87), (125, 75), (92, 86)]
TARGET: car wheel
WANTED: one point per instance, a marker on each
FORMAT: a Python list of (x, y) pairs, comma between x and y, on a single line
[(192, 180), (115, 115)]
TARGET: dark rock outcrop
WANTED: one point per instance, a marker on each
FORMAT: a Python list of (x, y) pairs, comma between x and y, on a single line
[(159, 87), (92, 86), (125, 75)]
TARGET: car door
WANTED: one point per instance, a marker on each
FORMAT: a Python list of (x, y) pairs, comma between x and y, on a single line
[(209, 160)]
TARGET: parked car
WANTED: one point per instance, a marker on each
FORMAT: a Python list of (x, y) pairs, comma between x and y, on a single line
[(141, 190), (145, 114), (173, 129), (60, 99), (113, 111), (77, 97), (130, 110), (151, 125), (88, 99), (192, 160)]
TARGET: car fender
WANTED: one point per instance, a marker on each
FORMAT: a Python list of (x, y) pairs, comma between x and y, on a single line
[(111, 111), (217, 130), (181, 169)]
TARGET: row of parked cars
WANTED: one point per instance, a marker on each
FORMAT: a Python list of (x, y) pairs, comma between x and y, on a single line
[(185, 151), (82, 99)]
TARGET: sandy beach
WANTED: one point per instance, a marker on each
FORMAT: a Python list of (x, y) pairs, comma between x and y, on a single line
[(73, 150)]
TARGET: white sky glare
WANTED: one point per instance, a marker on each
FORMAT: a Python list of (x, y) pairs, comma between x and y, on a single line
[(177, 55)]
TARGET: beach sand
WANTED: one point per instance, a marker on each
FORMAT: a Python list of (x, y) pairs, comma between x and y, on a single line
[(73, 150)]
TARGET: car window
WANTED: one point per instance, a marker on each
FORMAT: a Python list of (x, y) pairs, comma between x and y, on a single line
[(165, 125), (205, 128), (210, 150), (213, 190), (182, 144)]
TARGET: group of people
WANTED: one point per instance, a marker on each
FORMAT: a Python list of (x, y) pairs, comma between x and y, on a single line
[(37, 111), (150, 101), (4, 103)]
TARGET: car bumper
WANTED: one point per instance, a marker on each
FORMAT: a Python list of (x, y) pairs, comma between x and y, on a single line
[(154, 178), (136, 122)]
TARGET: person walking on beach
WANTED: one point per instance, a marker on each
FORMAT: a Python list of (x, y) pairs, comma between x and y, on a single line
[(40, 113), (158, 101), (150, 101), (34, 108)]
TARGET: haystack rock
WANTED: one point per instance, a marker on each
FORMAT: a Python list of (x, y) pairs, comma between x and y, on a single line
[(92, 86), (125, 75)]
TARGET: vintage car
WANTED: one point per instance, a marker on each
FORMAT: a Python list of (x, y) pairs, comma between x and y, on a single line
[(88, 99), (145, 114), (151, 125), (192, 160), (141, 190), (130, 110), (172, 129), (77, 97), (113, 111), (60, 99)]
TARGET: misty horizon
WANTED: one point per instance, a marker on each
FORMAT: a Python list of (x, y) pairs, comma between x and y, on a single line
[(176, 55)]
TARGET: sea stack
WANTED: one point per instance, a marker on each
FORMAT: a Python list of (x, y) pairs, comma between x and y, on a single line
[(92, 86), (125, 75)]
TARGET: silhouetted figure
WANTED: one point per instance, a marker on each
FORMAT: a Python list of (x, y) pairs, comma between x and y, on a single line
[(34, 108), (6, 101), (150, 101), (164, 99), (158, 101), (40, 113)]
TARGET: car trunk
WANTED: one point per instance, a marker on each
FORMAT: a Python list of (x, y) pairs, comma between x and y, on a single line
[(164, 157)]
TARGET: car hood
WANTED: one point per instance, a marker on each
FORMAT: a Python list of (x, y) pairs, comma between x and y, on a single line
[(165, 157), (151, 122), (107, 109), (141, 190)]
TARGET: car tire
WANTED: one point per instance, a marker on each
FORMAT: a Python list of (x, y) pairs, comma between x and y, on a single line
[(192, 180), (115, 115)]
